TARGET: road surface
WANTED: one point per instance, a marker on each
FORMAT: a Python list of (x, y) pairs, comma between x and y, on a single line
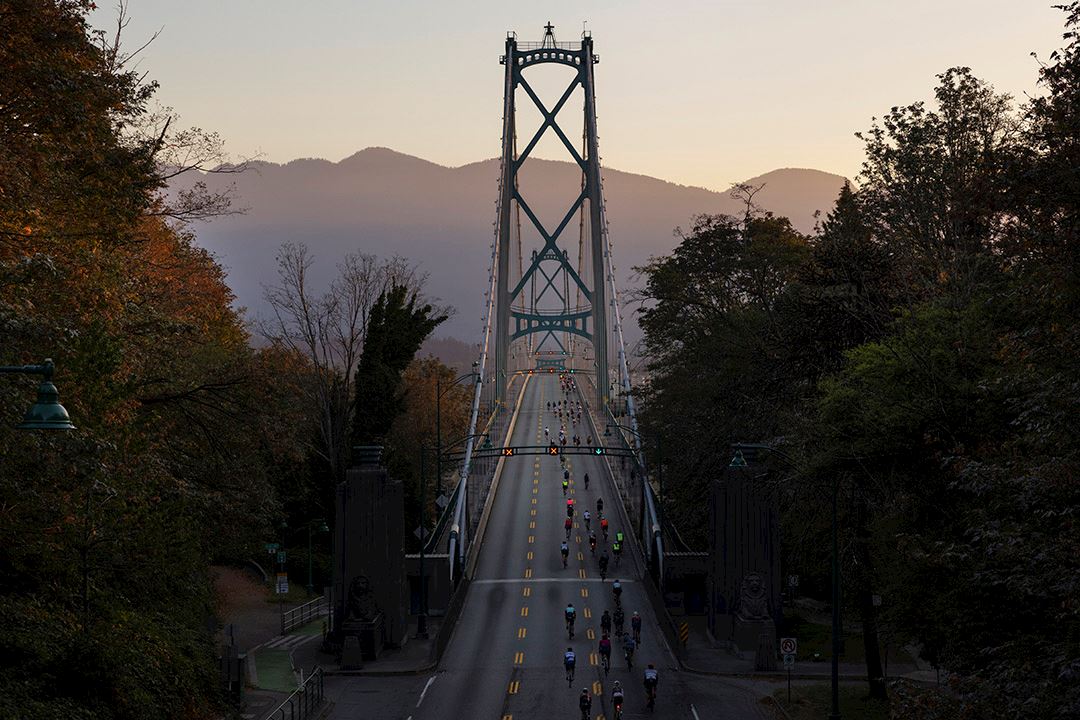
[(505, 658)]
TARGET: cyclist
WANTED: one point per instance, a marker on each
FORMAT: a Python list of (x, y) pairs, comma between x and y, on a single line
[(566, 475), (547, 432), (569, 661), (619, 618), (599, 507), (605, 623), (603, 526), (619, 538), (617, 698), (651, 680), (603, 565), (635, 625), (569, 524), (571, 616), (616, 550), (585, 703), (570, 507), (587, 518), (605, 652), (592, 542), (565, 486), (590, 437), (565, 550), (628, 647), (616, 591)]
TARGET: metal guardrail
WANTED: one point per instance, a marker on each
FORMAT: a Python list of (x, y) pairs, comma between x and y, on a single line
[(304, 701), (303, 614)]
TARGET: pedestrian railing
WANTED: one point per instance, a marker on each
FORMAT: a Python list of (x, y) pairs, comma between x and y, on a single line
[(304, 701), (303, 614)]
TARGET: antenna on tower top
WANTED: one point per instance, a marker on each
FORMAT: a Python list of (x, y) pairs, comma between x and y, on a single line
[(549, 32)]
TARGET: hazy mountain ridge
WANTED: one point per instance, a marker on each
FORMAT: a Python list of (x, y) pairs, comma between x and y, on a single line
[(384, 202)]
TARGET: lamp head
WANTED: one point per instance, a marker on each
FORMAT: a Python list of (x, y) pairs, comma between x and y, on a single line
[(47, 413)]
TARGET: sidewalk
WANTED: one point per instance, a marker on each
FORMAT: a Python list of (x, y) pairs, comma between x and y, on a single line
[(416, 656), (704, 655)]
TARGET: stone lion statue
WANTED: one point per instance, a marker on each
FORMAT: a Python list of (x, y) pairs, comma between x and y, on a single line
[(753, 604), (361, 601)]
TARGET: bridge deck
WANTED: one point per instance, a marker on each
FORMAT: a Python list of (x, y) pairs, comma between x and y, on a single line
[(505, 658)]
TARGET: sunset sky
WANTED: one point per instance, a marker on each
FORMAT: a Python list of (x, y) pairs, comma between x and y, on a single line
[(698, 92)]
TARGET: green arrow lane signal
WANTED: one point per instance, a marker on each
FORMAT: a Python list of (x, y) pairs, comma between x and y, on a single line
[(598, 451), (738, 461)]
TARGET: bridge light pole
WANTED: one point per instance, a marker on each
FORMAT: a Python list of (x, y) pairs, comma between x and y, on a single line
[(659, 464), (438, 419), (46, 413)]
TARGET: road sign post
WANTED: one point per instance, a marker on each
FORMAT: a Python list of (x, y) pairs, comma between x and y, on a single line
[(788, 647)]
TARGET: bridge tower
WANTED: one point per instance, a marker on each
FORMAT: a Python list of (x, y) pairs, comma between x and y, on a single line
[(543, 300)]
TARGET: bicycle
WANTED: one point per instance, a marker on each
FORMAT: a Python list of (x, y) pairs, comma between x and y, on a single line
[(650, 694), (570, 628), (569, 674), (605, 661), (629, 654)]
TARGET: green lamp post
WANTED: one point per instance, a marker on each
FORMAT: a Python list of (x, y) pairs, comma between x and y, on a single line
[(47, 413)]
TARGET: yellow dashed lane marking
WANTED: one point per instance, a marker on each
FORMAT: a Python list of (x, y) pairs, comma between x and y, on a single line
[(532, 539), (521, 633), (590, 634), (532, 524), (593, 660), (515, 685), (525, 611), (580, 556), (533, 513), (519, 658), (581, 573), (584, 592), (597, 688), (528, 573), (588, 613), (529, 555), (534, 501), (526, 591)]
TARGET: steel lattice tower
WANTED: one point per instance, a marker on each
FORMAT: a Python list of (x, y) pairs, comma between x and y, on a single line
[(517, 314)]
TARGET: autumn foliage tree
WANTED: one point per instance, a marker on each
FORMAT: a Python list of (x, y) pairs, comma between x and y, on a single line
[(107, 532)]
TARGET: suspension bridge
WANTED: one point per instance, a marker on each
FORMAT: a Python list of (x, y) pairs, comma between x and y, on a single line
[(552, 338)]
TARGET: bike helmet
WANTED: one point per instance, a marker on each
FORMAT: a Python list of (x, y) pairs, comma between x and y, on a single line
[(617, 684), (635, 615)]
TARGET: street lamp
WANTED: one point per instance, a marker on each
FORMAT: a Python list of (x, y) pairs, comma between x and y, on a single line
[(438, 420), (834, 712), (47, 413), (659, 461), (323, 527)]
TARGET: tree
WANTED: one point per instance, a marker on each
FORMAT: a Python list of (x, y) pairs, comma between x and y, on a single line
[(329, 330), (398, 327)]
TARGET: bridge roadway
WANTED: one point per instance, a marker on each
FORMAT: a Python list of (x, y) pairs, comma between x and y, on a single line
[(504, 660)]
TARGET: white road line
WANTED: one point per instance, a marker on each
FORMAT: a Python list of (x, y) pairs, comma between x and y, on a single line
[(692, 709), (424, 691)]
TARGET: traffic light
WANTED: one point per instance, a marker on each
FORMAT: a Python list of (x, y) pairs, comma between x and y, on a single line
[(508, 452), (553, 450), (598, 451)]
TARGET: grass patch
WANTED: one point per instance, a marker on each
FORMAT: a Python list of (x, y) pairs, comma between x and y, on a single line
[(817, 638), (813, 702)]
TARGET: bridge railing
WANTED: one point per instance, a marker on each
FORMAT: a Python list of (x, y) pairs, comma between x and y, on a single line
[(303, 614), (304, 702)]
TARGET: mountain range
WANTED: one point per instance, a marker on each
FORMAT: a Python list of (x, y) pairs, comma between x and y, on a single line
[(387, 203)]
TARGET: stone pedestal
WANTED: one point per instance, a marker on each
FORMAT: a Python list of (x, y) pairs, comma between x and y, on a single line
[(744, 572), (369, 560)]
